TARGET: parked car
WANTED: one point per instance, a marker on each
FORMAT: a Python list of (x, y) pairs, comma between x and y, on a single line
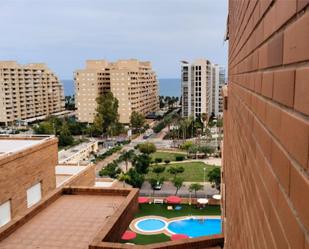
[(158, 186)]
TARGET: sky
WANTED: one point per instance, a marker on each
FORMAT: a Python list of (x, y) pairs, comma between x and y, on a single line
[(65, 33)]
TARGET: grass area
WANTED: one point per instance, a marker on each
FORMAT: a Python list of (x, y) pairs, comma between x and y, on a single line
[(142, 239), (194, 171), (161, 210), (167, 155)]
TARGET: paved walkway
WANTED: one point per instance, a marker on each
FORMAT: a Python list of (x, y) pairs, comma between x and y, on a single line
[(169, 189), (210, 161)]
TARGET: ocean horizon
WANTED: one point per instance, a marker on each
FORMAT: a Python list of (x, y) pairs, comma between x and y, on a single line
[(167, 87)]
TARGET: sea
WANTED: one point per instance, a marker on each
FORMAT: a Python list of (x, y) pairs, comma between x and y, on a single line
[(167, 87)]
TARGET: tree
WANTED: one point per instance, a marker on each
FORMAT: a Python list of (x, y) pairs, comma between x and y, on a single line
[(44, 128), (162, 103), (111, 170), (107, 113), (65, 137), (176, 170), (195, 187), (206, 150), (69, 102), (214, 177), (220, 122), (158, 170), (141, 163), (158, 160), (135, 179), (147, 148), (127, 156), (178, 183), (137, 120), (124, 178), (187, 145)]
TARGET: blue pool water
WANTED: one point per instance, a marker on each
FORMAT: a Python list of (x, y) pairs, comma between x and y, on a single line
[(195, 227), (150, 225)]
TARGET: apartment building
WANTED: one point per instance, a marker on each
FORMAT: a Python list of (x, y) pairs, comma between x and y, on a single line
[(132, 82), (28, 91), (200, 84), (90, 82), (222, 83), (266, 126)]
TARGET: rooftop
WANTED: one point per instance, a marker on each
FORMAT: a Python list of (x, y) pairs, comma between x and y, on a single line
[(72, 221), (12, 144), (65, 173)]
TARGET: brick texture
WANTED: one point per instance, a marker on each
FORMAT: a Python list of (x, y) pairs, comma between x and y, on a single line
[(23, 169), (302, 91), (266, 126)]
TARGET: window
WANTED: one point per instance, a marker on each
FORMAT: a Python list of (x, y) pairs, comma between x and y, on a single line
[(34, 195), (5, 213)]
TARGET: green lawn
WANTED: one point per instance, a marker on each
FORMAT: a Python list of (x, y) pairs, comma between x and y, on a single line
[(167, 155), (161, 210), (194, 171)]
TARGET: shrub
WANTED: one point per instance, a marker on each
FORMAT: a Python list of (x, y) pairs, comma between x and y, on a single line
[(147, 148), (167, 161), (158, 160), (108, 153), (180, 158)]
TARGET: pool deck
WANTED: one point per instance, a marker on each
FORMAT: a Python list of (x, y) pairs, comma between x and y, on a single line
[(167, 220)]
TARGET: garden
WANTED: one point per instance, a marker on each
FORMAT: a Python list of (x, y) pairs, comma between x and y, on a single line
[(161, 210)]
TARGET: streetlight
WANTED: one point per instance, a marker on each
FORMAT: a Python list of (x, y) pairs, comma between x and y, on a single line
[(204, 177)]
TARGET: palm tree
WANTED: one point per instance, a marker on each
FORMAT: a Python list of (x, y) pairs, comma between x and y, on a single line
[(123, 177), (127, 156), (189, 122), (195, 187)]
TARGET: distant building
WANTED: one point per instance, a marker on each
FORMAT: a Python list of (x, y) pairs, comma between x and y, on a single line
[(28, 91), (200, 84), (222, 82), (132, 82), (90, 82)]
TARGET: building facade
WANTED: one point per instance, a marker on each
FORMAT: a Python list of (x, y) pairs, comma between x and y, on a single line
[(222, 83), (266, 126), (28, 91), (90, 82), (27, 169), (200, 84), (132, 82)]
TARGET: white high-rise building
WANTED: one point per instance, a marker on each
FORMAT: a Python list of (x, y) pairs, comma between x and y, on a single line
[(201, 82)]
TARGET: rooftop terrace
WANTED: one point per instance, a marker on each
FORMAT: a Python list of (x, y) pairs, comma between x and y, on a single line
[(68, 218), (12, 144), (71, 221)]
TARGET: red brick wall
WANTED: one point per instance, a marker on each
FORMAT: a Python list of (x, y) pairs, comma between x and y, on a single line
[(22, 170), (266, 149)]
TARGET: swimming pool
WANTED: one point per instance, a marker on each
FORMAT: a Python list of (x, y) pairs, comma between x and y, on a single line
[(195, 227), (151, 225), (191, 226)]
